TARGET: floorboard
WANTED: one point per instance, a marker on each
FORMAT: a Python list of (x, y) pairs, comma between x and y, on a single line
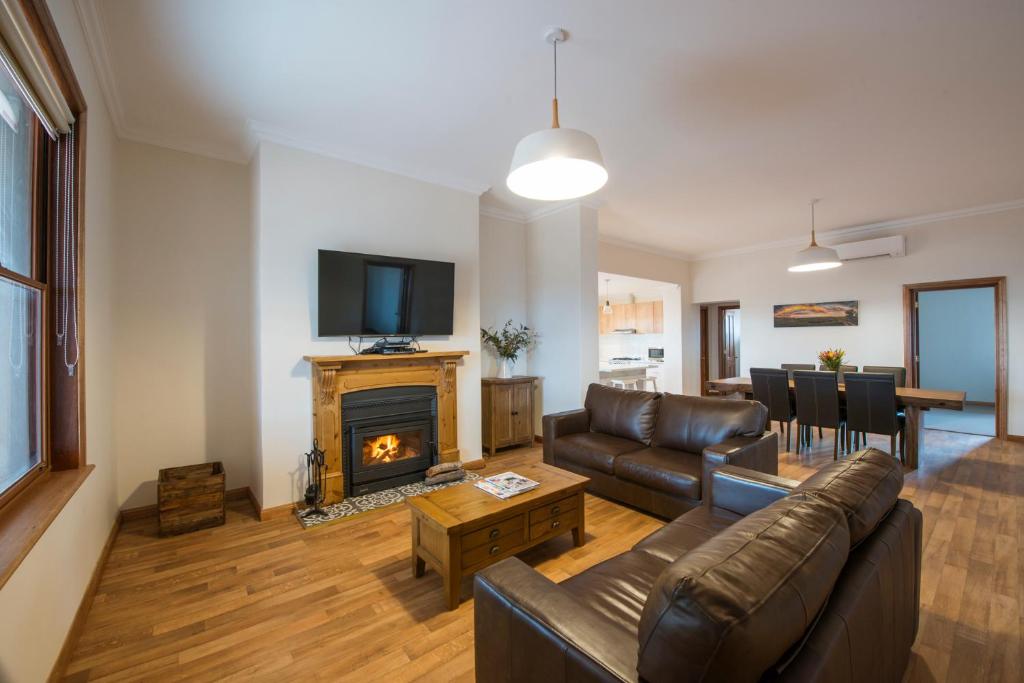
[(254, 601)]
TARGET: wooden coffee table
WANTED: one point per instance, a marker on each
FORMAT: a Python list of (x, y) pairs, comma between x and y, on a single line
[(462, 529)]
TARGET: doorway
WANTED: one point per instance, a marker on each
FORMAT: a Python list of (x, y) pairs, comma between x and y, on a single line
[(719, 342), (956, 340)]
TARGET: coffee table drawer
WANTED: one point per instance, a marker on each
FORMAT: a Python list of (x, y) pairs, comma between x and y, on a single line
[(511, 526), (492, 550), (554, 525), (552, 509)]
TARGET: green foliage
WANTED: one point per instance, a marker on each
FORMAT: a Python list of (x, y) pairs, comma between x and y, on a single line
[(509, 341), (832, 359)]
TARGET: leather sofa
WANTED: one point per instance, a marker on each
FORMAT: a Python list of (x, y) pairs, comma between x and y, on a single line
[(771, 579), (655, 451)]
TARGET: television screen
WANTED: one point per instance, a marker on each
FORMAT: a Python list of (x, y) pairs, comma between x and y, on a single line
[(363, 294)]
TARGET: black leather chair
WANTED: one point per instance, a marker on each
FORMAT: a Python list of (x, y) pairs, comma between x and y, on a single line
[(898, 373), (817, 405), (871, 408), (771, 387), (843, 369), (790, 367)]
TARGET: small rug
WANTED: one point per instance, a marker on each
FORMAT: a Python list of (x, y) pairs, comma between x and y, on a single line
[(373, 501)]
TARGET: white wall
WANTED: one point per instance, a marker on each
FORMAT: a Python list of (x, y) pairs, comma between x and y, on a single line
[(309, 202), (679, 367), (40, 599), (956, 331), (183, 378), (561, 269), (502, 281), (977, 246)]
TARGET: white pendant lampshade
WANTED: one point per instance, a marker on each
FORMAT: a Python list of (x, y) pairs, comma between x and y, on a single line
[(557, 163), (815, 257)]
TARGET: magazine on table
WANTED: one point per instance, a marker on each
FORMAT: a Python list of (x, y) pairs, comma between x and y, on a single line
[(506, 485)]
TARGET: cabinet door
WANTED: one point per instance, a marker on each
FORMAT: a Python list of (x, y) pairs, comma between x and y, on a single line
[(658, 325), (604, 321), (522, 415), (623, 316), (645, 317), (501, 413)]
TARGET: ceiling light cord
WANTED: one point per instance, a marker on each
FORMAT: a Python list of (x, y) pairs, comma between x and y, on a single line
[(554, 101)]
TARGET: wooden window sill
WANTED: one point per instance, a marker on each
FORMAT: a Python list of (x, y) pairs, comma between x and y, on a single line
[(24, 520)]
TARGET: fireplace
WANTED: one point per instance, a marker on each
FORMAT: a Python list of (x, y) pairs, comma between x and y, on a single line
[(389, 437)]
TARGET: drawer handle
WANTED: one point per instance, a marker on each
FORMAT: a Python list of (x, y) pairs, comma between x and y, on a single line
[(555, 510), (555, 524), (494, 533), (494, 550), (515, 412)]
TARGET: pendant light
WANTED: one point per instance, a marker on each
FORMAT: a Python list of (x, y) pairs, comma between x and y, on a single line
[(815, 257), (607, 310), (556, 163)]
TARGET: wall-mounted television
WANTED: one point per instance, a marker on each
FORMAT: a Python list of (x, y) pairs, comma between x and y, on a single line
[(378, 296)]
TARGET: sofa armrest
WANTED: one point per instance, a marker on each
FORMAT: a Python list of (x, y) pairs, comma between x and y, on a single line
[(759, 453), (743, 491), (561, 424), (529, 628)]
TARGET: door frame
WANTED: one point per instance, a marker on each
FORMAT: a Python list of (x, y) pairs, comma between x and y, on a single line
[(704, 366), (721, 327), (911, 341)]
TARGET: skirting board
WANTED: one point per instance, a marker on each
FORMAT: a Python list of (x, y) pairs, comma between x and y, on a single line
[(1015, 437), (78, 623)]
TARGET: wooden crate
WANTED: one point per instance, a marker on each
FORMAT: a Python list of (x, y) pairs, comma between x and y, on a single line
[(190, 498)]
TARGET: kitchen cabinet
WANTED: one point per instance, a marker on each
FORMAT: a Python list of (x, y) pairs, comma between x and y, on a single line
[(646, 317), (507, 412)]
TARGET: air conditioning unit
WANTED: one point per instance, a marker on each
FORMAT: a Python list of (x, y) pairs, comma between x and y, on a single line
[(894, 246)]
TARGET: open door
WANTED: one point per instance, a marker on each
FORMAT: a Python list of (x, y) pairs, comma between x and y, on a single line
[(704, 351), (728, 341)]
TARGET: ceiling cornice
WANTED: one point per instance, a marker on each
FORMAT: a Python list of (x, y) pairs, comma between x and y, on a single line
[(832, 237), (96, 42), (261, 132), (502, 214)]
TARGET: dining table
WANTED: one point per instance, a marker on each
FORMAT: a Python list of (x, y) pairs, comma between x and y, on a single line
[(913, 401)]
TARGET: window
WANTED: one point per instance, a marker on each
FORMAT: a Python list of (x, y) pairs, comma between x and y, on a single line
[(41, 386), (22, 292)]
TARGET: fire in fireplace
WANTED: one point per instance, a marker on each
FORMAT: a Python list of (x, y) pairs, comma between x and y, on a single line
[(389, 437), (391, 447)]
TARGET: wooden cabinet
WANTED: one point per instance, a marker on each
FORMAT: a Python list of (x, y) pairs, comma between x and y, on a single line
[(646, 317), (507, 412)]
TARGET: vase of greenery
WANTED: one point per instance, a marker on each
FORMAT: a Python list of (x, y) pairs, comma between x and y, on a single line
[(832, 359), (508, 343)]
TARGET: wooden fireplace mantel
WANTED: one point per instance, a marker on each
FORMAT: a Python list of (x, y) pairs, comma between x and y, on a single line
[(337, 375)]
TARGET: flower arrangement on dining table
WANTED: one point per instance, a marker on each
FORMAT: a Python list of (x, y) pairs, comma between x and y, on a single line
[(832, 359)]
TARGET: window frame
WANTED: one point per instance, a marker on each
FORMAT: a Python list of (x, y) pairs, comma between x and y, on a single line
[(62, 399)]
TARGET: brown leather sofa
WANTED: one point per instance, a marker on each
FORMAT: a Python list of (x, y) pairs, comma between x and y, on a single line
[(655, 451), (771, 579)]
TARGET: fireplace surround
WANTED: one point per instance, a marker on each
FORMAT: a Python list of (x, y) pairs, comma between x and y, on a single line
[(337, 376), (389, 437)]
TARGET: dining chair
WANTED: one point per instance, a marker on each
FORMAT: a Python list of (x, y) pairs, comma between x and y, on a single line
[(871, 408), (771, 387), (817, 405), (898, 373), (790, 367), (843, 369)]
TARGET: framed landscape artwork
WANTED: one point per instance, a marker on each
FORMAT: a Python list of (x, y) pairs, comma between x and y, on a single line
[(828, 314)]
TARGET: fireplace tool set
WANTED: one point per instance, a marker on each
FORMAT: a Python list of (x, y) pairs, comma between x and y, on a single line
[(316, 476)]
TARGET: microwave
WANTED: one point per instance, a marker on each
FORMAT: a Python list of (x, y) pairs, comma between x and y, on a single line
[(656, 354)]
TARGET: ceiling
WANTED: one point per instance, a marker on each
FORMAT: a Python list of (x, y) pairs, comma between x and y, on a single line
[(718, 120), (620, 287)]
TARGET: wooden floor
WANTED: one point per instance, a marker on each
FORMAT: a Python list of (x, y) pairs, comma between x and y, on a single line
[(270, 601)]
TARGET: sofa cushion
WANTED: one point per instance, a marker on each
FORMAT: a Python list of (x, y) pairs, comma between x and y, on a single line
[(661, 469), (593, 450), (618, 587), (730, 608), (865, 485), (622, 413), (692, 423), (686, 532)]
